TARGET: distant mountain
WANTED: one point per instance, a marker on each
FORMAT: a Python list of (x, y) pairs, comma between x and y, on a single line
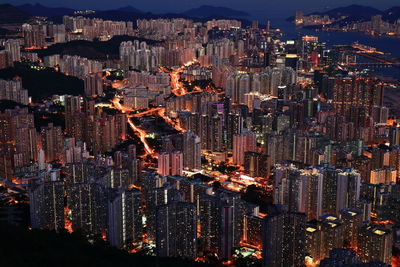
[(361, 13), (353, 11), (12, 15), (392, 14), (208, 11), (130, 9), (130, 13), (118, 14), (43, 11)]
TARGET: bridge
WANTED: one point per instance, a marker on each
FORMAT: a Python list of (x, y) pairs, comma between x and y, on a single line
[(380, 58), (370, 64)]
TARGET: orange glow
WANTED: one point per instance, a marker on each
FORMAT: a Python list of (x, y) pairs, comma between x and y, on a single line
[(390, 122), (147, 112), (396, 261), (35, 47), (117, 105), (200, 259), (260, 214), (142, 135), (135, 250), (228, 263), (386, 222), (118, 84), (139, 132), (104, 236), (247, 245), (67, 221), (16, 181), (366, 49), (176, 124), (309, 262), (198, 230), (132, 186), (178, 87)]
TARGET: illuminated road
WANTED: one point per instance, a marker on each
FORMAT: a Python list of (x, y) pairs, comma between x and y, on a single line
[(117, 105), (160, 111), (238, 181), (175, 124), (142, 135), (146, 112), (139, 132), (178, 88)]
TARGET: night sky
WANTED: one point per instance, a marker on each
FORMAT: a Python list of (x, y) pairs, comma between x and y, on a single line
[(257, 8)]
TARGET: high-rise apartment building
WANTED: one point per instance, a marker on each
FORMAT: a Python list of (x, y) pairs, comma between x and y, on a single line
[(125, 218), (284, 240), (176, 230), (46, 200), (191, 151)]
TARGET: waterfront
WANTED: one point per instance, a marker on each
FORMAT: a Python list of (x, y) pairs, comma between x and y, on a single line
[(384, 44)]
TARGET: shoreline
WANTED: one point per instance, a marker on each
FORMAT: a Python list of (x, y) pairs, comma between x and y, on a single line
[(324, 29)]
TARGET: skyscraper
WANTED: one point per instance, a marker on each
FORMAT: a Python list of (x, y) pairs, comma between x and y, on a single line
[(72, 108), (88, 206), (155, 197), (34, 36), (93, 84), (176, 230), (170, 163), (332, 234), (191, 151), (352, 220), (46, 200), (348, 189), (176, 163), (221, 222), (300, 190), (163, 163), (245, 142), (375, 244), (284, 240), (52, 141), (12, 46), (125, 218), (257, 164)]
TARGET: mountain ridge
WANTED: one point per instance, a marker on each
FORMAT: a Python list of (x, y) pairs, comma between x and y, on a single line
[(358, 13), (9, 14), (130, 13), (198, 12), (41, 10), (207, 11)]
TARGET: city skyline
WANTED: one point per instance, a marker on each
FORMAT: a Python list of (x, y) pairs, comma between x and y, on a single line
[(130, 139), (256, 8)]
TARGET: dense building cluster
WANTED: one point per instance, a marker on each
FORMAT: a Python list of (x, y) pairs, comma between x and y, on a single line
[(206, 140), (374, 26)]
